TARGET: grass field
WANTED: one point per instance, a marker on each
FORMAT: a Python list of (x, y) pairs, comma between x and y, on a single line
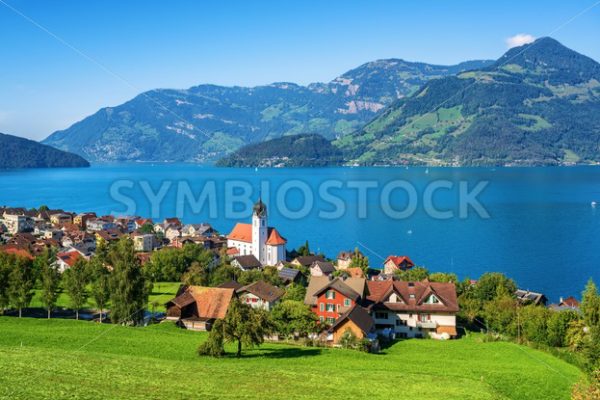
[(59, 359), (161, 293)]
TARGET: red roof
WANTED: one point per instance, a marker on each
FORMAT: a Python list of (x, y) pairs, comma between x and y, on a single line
[(232, 251), (570, 302), (398, 260), (17, 252), (243, 233), (275, 238), (69, 257)]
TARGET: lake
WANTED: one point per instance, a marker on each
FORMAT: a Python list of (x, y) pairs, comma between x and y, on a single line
[(537, 225)]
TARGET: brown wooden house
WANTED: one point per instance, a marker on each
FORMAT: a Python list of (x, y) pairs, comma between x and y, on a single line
[(197, 307)]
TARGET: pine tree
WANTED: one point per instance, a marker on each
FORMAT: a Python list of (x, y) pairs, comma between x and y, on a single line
[(49, 279), (128, 285), (75, 281), (21, 281)]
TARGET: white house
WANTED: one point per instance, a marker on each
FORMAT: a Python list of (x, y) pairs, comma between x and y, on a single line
[(260, 295), (414, 309), (258, 239), (143, 242)]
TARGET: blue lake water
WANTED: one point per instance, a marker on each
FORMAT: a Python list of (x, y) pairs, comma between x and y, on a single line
[(542, 230)]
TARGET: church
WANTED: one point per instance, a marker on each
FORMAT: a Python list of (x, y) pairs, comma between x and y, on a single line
[(258, 239)]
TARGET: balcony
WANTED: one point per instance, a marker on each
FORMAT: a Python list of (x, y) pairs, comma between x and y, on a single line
[(427, 324)]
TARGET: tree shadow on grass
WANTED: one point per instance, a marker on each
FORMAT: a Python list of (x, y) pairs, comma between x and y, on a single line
[(280, 353)]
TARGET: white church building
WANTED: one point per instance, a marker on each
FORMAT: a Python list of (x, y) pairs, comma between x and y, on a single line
[(258, 239)]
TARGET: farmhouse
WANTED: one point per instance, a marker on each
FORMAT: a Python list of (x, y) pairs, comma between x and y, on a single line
[(330, 298), (413, 309), (258, 239), (321, 268), (246, 263), (357, 320), (197, 307), (260, 295)]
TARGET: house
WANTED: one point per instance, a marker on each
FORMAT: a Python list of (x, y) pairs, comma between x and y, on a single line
[(258, 239), (357, 320), (246, 263), (230, 285), (16, 251), (172, 232), (15, 223), (197, 230), (143, 242), (127, 224), (330, 298), (290, 275), (139, 222), (67, 259), (527, 297), (61, 219), (109, 235), (173, 221), (100, 224), (306, 261), (395, 263), (260, 295), (81, 219), (321, 268), (413, 309), (570, 303), (344, 259), (197, 307)]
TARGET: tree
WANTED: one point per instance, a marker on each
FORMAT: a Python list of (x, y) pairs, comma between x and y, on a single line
[(147, 229), (304, 250), (197, 274), (492, 285), (224, 273), (5, 269), (128, 285), (558, 326), (590, 305), (576, 336), (501, 314), (50, 279), (75, 281), (532, 323), (100, 283), (470, 307), (293, 317), (294, 292), (213, 345), (348, 340), (21, 281), (443, 277), (414, 274), (245, 325), (359, 260)]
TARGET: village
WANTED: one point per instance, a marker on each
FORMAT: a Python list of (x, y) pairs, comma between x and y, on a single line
[(346, 296)]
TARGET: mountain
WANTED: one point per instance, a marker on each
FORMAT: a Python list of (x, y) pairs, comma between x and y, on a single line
[(287, 151), (16, 152), (206, 122), (539, 104)]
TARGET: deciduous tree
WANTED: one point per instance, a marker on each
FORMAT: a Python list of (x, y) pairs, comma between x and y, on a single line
[(75, 281), (21, 281), (245, 325), (49, 278)]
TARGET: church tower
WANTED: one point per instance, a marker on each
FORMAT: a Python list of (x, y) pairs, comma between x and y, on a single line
[(259, 231)]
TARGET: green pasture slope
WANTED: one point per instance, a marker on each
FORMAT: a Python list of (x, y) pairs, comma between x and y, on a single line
[(65, 359)]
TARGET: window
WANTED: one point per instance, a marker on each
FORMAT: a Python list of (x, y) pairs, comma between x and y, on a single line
[(412, 296), (432, 300), (330, 320), (337, 308), (321, 319), (347, 302), (400, 322), (322, 307), (381, 315), (330, 307), (330, 294)]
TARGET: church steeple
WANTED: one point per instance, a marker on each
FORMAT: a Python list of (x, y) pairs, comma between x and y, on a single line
[(260, 209), (259, 231)]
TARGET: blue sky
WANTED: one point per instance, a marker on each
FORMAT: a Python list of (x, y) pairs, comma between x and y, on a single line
[(45, 85)]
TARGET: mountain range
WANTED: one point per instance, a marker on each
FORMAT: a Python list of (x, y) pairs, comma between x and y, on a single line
[(17, 152), (539, 104), (206, 122)]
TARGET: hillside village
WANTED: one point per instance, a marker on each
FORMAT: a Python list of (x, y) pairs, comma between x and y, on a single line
[(345, 294)]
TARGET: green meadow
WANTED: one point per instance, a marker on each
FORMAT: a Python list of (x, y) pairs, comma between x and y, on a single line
[(60, 359)]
